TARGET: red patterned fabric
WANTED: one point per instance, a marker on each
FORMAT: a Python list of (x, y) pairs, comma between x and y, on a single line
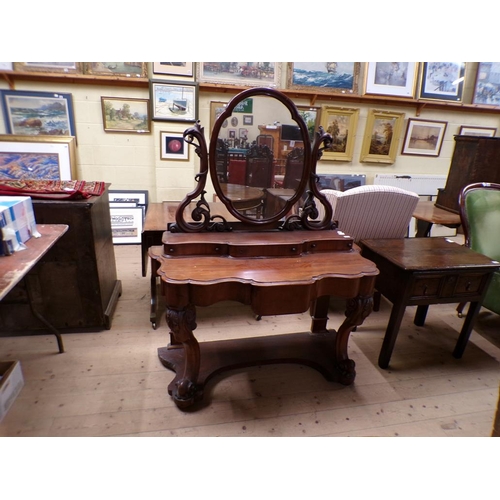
[(52, 190)]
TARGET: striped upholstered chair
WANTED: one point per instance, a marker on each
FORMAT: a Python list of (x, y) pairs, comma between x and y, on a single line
[(372, 211)]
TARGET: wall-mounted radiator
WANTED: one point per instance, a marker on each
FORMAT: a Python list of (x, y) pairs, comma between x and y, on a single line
[(425, 185), (422, 184)]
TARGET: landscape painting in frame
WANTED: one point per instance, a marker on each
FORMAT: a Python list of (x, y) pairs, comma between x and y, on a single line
[(341, 124), (125, 69), (173, 68), (38, 113), (125, 115), (337, 77), (38, 158), (423, 137), (256, 74), (487, 88), (173, 101)]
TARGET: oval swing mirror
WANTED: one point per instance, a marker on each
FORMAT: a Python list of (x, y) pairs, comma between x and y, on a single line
[(260, 168)]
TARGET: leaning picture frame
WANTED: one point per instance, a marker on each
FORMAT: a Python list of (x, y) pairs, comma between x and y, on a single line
[(478, 131), (69, 68), (138, 197), (126, 225), (332, 77), (173, 68), (247, 74), (391, 78), (123, 114), (341, 123), (117, 69), (381, 138), (174, 101), (37, 158), (442, 81), (487, 86), (423, 137), (38, 113), (173, 146)]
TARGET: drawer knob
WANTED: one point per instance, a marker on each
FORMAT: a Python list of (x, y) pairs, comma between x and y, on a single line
[(467, 287)]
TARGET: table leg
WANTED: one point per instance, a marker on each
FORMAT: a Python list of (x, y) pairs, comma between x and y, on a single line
[(466, 329), (398, 311), (423, 229), (420, 315), (153, 313)]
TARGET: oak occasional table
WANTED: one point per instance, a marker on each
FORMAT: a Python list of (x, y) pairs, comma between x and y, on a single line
[(424, 271), (14, 268), (275, 273)]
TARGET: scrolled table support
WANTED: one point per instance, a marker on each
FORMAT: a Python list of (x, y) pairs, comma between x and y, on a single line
[(182, 323)]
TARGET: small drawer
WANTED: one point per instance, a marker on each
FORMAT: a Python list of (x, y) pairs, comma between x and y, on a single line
[(426, 287), (469, 284)]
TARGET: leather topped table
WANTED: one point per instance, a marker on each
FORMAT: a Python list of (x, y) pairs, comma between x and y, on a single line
[(428, 214), (275, 273), (425, 271)]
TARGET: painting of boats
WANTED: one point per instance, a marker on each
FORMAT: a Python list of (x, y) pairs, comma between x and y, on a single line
[(174, 102)]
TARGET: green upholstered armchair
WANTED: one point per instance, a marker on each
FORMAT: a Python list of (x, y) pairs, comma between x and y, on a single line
[(480, 214)]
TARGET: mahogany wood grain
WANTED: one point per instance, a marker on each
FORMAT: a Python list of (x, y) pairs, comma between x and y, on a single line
[(427, 214)]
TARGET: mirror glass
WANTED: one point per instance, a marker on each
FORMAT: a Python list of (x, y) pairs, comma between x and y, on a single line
[(258, 159)]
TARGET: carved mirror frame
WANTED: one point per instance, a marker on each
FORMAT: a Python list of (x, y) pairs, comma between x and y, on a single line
[(202, 220)]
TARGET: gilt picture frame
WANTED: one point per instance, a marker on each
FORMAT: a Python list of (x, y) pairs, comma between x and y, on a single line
[(311, 116), (391, 78), (123, 114), (247, 74), (442, 81), (70, 68), (117, 69), (381, 138), (37, 158), (38, 113), (331, 77), (341, 123), (423, 137)]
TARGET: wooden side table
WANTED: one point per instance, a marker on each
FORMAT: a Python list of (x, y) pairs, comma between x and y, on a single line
[(425, 271), (428, 214)]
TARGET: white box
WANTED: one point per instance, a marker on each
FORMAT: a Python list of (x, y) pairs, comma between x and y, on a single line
[(11, 383), (17, 222)]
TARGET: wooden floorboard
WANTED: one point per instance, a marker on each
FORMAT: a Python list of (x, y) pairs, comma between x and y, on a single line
[(111, 383)]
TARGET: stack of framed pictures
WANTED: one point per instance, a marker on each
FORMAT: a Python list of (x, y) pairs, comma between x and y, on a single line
[(128, 211)]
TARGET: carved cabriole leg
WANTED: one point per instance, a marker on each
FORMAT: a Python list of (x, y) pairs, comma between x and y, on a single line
[(357, 310), (182, 322)]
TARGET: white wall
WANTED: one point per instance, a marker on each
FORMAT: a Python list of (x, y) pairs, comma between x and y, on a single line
[(132, 161)]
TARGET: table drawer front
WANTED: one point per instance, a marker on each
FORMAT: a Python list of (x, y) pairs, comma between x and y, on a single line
[(426, 286), (448, 286), (470, 284)]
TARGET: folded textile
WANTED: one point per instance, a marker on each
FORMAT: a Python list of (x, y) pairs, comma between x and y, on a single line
[(52, 190)]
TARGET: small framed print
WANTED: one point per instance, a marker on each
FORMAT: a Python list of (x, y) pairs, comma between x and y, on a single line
[(391, 78), (478, 131), (442, 81), (126, 225), (173, 146), (247, 120), (423, 137), (128, 196), (311, 116), (381, 139), (50, 67), (121, 69), (341, 124), (121, 114), (173, 68), (174, 101)]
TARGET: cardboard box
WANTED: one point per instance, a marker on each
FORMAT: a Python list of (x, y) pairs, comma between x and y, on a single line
[(17, 222), (11, 383)]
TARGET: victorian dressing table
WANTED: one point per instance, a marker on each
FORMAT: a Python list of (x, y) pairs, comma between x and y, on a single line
[(276, 264)]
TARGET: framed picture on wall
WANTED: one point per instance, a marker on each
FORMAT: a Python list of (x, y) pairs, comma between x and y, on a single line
[(121, 114), (38, 113), (122, 69), (341, 123), (173, 68), (311, 116), (174, 101), (487, 85), (381, 139), (442, 81), (391, 78), (173, 146), (423, 137), (478, 131), (49, 67), (249, 74), (335, 77), (37, 158)]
